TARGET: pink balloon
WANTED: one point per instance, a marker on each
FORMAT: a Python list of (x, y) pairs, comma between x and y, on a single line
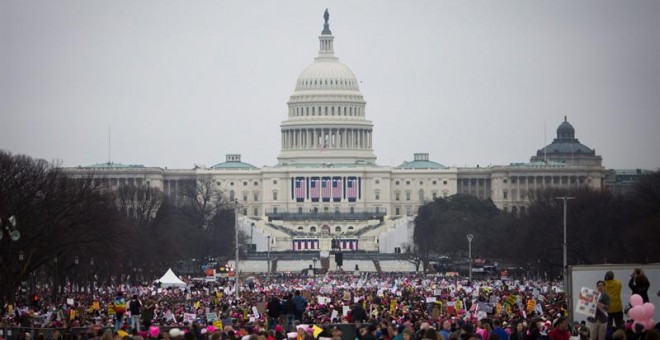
[(636, 300), (634, 326), (650, 324), (649, 309), (636, 313)]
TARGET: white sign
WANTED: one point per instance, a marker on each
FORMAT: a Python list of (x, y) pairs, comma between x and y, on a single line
[(587, 301)]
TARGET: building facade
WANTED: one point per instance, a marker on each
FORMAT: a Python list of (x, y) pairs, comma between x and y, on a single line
[(326, 188)]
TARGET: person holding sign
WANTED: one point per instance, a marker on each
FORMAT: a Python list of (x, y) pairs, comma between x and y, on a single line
[(599, 324)]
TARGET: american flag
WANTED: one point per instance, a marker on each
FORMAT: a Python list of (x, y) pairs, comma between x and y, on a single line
[(336, 188), (314, 189), (351, 188), (300, 189), (325, 188)]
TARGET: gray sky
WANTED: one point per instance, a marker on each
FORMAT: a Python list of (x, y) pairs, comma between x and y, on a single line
[(470, 82)]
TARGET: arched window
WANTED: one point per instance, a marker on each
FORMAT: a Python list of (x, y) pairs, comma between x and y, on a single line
[(338, 229), (300, 228), (312, 229)]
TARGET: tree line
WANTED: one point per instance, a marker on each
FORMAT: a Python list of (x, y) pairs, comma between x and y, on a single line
[(601, 228), (82, 231)]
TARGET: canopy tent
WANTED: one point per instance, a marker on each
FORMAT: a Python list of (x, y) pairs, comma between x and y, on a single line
[(170, 280)]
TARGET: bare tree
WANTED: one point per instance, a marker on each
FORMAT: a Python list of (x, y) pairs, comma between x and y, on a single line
[(58, 217)]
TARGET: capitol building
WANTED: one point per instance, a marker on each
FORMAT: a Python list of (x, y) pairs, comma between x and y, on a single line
[(327, 189)]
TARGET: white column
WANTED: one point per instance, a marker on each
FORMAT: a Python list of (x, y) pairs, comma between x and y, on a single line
[(307, 138)]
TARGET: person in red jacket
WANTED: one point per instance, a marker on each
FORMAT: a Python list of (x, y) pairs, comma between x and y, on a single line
[(560, 332)]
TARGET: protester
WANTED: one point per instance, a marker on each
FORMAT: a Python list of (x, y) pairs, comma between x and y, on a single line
[(639, 284), (560, 331), (599, 322), (615, 311)]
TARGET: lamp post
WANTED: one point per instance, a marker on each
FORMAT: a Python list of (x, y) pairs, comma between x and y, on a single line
[(251, 235), (268, 237), (91, 269), (76, 260), (9, 225), (55, 283), (469, 238), (236, 283), (565, 268)]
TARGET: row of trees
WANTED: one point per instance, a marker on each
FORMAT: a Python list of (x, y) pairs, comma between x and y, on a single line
[(78, 230), (602, 228)]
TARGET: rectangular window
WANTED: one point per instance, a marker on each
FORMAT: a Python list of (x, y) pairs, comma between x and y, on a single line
[(506, 195), (407, 182), (435, 182), (245, 197), (256, 183), (377, 196), (274, 182), (396, 196), (397, 182), (256, 211), (407, 196), (245, 211), (377, 181), (256, 197), (274, 195), (300, 210), (435, 195), (444, 182), (397, 211), (244, 184), (274, 210)]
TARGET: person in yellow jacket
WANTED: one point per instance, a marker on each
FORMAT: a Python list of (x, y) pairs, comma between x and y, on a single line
[(613, 290)]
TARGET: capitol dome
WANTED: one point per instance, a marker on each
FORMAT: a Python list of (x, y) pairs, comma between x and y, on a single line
[(326, 121), (327, 75)]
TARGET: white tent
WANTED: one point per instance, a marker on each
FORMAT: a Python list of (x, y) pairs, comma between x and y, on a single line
[(170, 280)]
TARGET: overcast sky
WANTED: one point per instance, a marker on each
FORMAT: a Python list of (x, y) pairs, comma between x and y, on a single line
[(186, 82)]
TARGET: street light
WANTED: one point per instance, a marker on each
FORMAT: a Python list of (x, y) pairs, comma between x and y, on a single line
[(469, 238), (236, 283), (268, 237), (565, 269), (10, 227)]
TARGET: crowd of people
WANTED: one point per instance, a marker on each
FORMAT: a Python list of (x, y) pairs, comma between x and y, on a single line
[(336, 305)]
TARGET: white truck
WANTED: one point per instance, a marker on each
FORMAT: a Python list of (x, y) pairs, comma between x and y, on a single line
[(587, 276)]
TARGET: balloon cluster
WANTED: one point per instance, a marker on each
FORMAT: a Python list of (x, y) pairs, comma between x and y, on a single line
[(641, 312)]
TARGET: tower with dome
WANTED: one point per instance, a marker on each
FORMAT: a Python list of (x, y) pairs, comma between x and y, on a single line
[(326, 190)]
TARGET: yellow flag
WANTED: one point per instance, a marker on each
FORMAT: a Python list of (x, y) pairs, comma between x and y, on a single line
[(196, 305), (316, 330), (217, 324)]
